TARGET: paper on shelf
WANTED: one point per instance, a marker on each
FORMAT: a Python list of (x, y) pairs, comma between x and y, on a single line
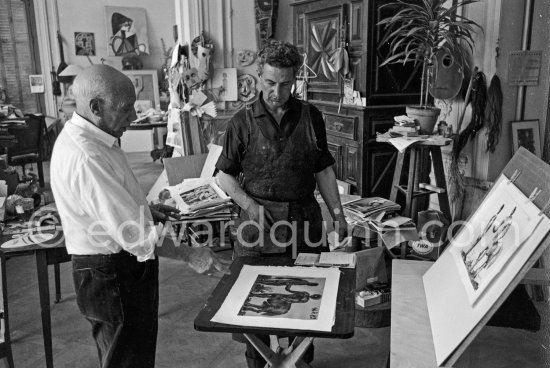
[(401, 143)]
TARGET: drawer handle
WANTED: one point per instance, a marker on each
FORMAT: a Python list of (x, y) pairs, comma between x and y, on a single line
[(338, 126)]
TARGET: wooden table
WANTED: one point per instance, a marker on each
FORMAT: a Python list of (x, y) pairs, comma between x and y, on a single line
[(343, 328), (53, 253), (418, 172)]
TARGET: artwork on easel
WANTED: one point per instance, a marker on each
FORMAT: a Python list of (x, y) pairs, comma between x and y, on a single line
[(298, 298), (483, 263), (498, 230)]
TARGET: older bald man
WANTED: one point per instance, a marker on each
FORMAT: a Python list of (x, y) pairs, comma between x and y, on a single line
[(108, 225)]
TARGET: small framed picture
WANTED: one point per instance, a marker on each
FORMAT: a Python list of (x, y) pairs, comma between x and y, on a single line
[(37, 83), (526, 134), (146, 86), (84, 43)]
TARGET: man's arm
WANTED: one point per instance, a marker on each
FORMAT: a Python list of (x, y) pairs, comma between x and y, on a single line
[(123, 218), (326, 181), (231, 186)]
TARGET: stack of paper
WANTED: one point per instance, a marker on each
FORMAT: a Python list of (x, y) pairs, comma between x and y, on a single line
[(326, 259), (394, 230), (363, 209), (200, 198)]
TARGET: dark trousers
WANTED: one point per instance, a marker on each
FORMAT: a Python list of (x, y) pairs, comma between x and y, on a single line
[(119, 297)]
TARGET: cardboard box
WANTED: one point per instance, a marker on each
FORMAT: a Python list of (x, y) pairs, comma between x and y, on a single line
[(176, 169)]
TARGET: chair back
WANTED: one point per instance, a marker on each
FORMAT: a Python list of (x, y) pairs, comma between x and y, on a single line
[(29, 137)]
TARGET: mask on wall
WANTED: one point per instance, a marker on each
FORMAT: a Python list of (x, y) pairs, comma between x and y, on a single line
[(247, 87), (191, 78), (205, 68), (245, 58)]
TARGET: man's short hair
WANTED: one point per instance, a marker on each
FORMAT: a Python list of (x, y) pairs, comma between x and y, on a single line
[(279, 54)]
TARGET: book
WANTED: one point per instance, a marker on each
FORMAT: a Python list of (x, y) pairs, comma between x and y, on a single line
[(373, 294), (401, 129)]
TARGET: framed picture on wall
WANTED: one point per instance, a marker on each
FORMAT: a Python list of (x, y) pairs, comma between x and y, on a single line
[(126, 30), (146, 85), (36, 82), (526, 134)]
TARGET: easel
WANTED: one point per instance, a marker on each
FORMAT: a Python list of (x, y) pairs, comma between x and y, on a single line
[(411, 333)]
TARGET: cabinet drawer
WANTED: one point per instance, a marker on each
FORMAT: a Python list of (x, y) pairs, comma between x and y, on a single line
[(341, 125)]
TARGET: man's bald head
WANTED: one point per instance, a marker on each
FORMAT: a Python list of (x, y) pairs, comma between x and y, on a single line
[(103, 96)]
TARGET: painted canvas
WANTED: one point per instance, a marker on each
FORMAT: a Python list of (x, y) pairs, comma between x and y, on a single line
[(494, 234), (126, 30), (298, 298)]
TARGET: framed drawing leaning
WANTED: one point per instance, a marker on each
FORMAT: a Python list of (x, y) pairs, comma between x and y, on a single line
[(146, 85), (526, 134)]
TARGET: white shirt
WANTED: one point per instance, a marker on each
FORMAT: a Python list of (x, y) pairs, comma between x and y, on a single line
[(100, 202)]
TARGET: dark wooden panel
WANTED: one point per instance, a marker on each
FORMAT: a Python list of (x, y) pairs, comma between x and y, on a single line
[(390, 84), (341, 125), (381, 166), (351, 167), (322, 37), (356, 22), (335, 150)]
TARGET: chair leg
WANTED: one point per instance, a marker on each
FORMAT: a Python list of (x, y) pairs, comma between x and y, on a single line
[(40, 174)]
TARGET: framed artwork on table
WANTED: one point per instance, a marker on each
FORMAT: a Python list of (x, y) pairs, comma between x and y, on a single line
[(146, 85), (526, 134)]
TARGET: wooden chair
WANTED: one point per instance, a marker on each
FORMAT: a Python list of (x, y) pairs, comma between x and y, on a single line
[(29, 146), (5, 342)]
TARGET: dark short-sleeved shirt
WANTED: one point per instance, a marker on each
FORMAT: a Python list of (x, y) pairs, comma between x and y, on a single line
[(236, 135)]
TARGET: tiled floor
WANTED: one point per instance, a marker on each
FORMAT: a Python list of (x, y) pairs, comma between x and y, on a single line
[(182, 293)]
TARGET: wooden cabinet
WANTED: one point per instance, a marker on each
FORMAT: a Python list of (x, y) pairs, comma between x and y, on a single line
[(351, 134), (320, 28)]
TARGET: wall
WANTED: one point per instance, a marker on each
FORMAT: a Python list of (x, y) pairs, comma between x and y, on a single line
[(285, 22), (71, 16), (536, 97), (89, 16)]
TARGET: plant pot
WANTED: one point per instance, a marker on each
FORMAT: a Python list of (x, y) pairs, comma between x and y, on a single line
[(426, 117)]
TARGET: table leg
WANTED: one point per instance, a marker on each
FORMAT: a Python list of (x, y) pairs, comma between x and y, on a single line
[(283, 358), (57, 282), (44, 291)]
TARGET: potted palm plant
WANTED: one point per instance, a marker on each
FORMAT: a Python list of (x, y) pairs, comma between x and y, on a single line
[(418, 32)]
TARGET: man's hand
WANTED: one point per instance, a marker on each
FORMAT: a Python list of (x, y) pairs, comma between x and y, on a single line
[(341, 226), (259, 214), (162, 212), (203, 260)]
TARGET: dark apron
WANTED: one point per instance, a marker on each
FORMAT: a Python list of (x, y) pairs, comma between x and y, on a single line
[(279, 174)]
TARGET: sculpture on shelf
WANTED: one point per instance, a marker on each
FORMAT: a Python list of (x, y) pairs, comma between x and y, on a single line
[(131, 61)]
